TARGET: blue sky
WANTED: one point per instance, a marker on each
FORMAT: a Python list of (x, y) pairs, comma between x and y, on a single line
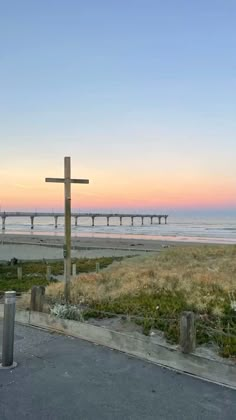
[(141, 91)]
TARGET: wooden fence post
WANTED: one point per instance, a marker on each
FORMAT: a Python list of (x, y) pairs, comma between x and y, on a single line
[(48, 273), (37, 298), (73, 269), (19, 273), (97, 267), (187, 332)]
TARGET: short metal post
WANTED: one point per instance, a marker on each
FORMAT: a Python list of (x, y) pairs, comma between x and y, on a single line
[(73, 270), (8, 330), (97, 267), (19, 273)]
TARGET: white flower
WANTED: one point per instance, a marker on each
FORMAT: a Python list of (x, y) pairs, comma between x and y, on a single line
[(233, 305)]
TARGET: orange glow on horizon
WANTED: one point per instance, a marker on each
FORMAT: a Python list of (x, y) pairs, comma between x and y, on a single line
[(124, 191)]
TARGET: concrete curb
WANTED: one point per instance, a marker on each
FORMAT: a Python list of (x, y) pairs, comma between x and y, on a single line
[(141, 347)]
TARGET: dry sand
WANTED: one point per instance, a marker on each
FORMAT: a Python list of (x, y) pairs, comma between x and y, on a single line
[(32, 247)]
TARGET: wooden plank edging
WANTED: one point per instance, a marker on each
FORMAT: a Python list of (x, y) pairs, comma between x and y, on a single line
[(144, 348)]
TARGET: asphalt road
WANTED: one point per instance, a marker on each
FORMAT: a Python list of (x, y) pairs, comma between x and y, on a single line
[(64, 378)]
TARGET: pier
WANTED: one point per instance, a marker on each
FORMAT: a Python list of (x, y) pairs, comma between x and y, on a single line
[(32, 215)]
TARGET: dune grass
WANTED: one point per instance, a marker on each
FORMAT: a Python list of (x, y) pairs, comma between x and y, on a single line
[(156, 289)]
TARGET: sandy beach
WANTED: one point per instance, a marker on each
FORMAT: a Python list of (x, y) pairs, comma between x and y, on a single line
[(32, 247)]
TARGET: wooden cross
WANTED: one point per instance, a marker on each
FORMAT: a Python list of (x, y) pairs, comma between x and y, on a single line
[(67, 239)]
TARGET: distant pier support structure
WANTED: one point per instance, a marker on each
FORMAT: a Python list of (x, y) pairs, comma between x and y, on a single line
[(3, 222), (31, 222), (93, 216), (56, 221), (131, 217)]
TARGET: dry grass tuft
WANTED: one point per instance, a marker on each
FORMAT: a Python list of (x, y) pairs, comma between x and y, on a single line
[(155, 289), (204, 276)]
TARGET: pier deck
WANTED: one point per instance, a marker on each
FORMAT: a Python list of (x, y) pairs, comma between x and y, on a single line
[(76, 216)]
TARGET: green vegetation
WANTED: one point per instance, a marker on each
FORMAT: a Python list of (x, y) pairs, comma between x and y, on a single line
[(151, 290), (154, 290), (142, 309), (67, 312), (34, 272)]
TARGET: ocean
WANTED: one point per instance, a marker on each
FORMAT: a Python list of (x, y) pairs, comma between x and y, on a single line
[(206, 229)]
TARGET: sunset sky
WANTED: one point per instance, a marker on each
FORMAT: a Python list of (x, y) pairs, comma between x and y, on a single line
[(140, 93)]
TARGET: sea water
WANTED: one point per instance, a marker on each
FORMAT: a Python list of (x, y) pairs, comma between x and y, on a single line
[(197, 228)]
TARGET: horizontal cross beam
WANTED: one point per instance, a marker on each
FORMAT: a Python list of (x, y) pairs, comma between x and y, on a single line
[(63, 180)]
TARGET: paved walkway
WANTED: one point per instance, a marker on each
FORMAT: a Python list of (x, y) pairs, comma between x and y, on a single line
[(64, 378), (39, 252)]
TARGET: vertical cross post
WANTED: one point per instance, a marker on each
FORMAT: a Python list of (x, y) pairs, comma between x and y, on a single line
[(67, 238), (67, 249)]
